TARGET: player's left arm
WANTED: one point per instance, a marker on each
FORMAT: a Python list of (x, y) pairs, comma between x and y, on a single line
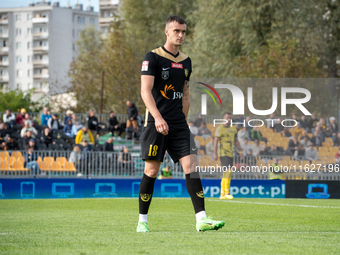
[(186, 98)]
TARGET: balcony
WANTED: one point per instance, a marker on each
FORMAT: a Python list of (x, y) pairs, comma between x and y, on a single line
[(108, 2), (40, 35), (40, 48), (4, 35), (3, 21), (4, 78), (40, 62), (105, 20), (40, 76), (40, 20), (4, 63), (4, 50)]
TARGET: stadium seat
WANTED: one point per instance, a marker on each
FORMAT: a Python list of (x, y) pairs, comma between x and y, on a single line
[(5, 166), (45, 165), (61, 160), (17, 154), (326, 144), (69, 166), (201, 152), (333, 150), (56, 166), (329, 140), (200, 139), (4, 154), (18, 165)]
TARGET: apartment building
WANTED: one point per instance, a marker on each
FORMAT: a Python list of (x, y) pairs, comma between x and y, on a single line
[(107, 10), (38, 44)]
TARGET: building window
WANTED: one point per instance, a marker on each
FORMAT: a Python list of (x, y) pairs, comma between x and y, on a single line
[(18, 31), (18, 45), (29, 85), (18, 59), (18, 85), (29, 16), (17, 17), (5, 58), (29, 59), (92, 20), (4, 72), (81, 20), (19, 73), (28, 73)]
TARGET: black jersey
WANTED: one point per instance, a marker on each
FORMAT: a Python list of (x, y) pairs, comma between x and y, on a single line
[(170, 71)]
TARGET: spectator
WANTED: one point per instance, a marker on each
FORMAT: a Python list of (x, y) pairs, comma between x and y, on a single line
[(28, 127), (305, 141), (198, 121), (125, 159), (2, 145), (25, 141), (311, 153), (276, 171), (45, 116), (304, 123), (271, 121), (255, 134), (31, 161), (303, 135), (209, 148), (316, 139), (132, 115), (11, 144), (297, 130), (47, 138), (75, 156), (20, 117), (336, 140), (337, 157), (321, 123), (76, 126), (197, 144), (86, 146), (32, 143), (286, 132), (193, 128), (246, 146), (312, 122), (264, 153), (293, 144), (165, 173), (9, 118), (114, 124), (256, 148), (4, 131), (334, 127), (274, 151), (247, 124), (299, 154), (278, 128), (68, 116), (108, 146), (92, 122), (28, 118), (250, 159), (75, 120), (203, 130), (239, 121), (242, 134), (54, 124), (328, 131), (139, 120), (84, 134), (67, 130)]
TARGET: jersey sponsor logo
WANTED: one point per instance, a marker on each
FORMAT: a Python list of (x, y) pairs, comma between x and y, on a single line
[(145, 197), (176, 65), (165, 75), (200, 194), (145, 66), (166, 90), (186, 72)]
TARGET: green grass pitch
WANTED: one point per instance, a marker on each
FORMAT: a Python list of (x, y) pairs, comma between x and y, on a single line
[(108, 226)]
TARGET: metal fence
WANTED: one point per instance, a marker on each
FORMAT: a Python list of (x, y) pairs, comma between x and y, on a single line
[(57, 164)]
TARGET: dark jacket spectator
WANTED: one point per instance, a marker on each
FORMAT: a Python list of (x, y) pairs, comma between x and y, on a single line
[(255, 134), (303, 122), (132, 111), (114, 124), (274, 151), (312, 122), (54, 123), (293, 144), (299, 154), (278, 128), (4, 131), (203, 130), (67, 130), (68, 116), (108, 146), (336, 139), (11, 144), (328, 131), (47, 138), (199, 120), (317, 139), (30, 143), (92, 122)]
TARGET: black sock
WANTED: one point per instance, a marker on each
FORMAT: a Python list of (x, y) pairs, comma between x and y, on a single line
[(195, 190), (145, 193)]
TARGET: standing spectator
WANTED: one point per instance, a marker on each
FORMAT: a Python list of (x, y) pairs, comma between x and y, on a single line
[(203, 130), (125, 159), (299, 154), (316, 139), (255, 134), (311, 153), (84, 134), (11, 144), (256, 148), (108, 146), (114, 124), (20, 117), (92, 122), (198, 121), (9, 118), (312, 122), (304, 123), (132, 115), (47, 138), (75, 156), (31, 161), (68, 116), (53, 123), (45, 116), (193, 128), (242, 134), (278, 128), (246, 146), (28, 127), (67, 130)]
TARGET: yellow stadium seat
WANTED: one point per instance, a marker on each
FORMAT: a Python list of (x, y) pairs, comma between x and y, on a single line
[(17, 154), (326, 144), (333, 150), (69, 166), (61, 160), (200, 152), (56, 166), (5, 166), (329, 140), (200, 139), (4, 154)]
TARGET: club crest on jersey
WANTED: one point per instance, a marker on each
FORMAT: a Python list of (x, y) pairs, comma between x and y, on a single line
[(165, 75), (186, 72), (176, 65)]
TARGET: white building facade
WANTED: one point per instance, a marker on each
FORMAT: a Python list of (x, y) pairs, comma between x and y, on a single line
[(38, 44)]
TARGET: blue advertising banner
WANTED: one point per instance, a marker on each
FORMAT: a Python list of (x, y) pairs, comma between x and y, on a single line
[(87, 188)]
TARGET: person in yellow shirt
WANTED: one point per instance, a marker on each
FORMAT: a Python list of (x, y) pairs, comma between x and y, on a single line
[(225, 138)]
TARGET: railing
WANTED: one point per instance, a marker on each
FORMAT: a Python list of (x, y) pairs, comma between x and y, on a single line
[(56, 164)]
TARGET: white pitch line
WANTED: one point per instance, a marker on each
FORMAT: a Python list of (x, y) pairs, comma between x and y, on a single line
[(261, 203)]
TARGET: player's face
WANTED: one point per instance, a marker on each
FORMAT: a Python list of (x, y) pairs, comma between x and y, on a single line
[(175, 33), (227, 117)]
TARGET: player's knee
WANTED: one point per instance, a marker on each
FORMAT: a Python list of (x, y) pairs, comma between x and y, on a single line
[(151, 172)]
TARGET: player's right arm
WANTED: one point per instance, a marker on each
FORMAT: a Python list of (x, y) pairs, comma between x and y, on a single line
[(149, 101)]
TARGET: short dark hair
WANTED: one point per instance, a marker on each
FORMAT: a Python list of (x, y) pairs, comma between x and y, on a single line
[(229, 113), (176, 18)]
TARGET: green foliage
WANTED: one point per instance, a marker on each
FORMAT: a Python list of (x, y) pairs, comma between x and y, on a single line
[(17, 99)]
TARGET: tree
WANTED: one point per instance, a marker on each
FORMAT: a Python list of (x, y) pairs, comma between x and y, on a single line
[(17, 99)]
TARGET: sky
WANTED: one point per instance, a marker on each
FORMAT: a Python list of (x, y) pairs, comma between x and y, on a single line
[(63, 3)]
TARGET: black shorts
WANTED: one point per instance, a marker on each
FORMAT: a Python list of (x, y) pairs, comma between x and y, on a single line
[(179, 143), (227, 161)]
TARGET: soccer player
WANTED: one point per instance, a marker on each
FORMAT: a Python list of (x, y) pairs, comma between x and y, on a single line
[(165, 92), (226, 137)]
